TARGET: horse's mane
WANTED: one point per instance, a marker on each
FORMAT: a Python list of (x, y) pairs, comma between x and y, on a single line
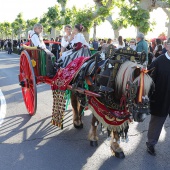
[(126, 73), (147, 83)]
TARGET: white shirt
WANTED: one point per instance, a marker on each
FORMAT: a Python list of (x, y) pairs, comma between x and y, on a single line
[(133, 47), (36, 40), (121, 46), (167, 56), (156, 48), (80, 38), (65, 43)]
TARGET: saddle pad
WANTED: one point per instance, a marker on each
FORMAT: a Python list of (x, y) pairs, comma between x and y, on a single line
[(65, 75), (107, 119)]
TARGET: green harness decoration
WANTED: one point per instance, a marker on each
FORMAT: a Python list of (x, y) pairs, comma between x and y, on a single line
[(67, 98)]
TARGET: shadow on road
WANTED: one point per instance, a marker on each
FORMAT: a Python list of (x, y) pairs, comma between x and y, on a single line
[(41, 144)]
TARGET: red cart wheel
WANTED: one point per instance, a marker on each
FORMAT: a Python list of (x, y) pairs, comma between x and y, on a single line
[(28, 83)]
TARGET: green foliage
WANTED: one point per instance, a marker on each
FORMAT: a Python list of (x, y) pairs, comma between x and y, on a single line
[(31, 22), (137, 17), (85, 17), (44, 22), (7, 29), (19, 24)]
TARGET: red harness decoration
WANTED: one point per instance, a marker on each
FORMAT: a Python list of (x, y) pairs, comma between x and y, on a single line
[(103, 113), (65, 75)]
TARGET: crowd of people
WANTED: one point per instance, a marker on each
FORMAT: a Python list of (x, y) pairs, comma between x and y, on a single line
[(6, 45), (139, 44)]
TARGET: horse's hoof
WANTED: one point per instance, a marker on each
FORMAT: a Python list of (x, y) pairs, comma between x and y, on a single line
[(120, 155), (94, 143), (78, 127)]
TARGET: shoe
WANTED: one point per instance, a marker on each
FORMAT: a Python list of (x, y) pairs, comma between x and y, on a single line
[(151, 149)]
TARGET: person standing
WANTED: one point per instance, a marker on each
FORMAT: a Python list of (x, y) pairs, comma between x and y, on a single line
[(158, 51), (121, 43), (56, 49), (9, 46), (95, 44), (142, 45), (132, 44), (158, 43), (2, 45), (164, 47), (125, 41), (160, 99)]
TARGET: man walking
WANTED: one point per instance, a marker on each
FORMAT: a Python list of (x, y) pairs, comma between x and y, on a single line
[(9, 46), (160, 99)]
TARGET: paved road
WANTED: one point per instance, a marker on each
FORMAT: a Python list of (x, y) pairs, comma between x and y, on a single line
[(32, 143)]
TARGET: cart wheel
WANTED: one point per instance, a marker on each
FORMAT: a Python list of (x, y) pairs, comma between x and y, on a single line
[(28, 83)]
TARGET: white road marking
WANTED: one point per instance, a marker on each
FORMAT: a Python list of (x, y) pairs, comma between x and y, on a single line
[(2, 107)]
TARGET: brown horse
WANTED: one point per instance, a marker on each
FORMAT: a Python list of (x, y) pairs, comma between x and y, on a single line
[(123, 86), (131, 82)]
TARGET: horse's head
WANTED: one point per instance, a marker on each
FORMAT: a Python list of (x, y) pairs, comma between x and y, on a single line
[(133, 82)]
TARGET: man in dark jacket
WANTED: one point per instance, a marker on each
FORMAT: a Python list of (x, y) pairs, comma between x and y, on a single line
[(160, 99), (95, 44), (9, 47)]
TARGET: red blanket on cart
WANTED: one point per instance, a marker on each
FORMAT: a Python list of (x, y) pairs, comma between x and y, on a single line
[(65, 75)]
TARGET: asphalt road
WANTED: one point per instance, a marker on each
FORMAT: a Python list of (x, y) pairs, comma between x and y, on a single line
[(32, 143)]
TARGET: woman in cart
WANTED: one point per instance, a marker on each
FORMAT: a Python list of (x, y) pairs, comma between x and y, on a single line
[(77, 45)]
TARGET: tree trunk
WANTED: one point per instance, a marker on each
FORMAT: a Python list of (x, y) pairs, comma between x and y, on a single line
[(94, 31), (145, 4), (53, 33), (26, 34), (137, 30), (116, 33), (57, 33), (167, 24), (12, 40), (86, 35)]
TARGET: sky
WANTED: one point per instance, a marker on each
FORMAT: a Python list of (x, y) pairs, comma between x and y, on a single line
[(35, 8)]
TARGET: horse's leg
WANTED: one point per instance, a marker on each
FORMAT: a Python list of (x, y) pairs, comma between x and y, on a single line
[(115, 148), (76, 109), (93, 132)]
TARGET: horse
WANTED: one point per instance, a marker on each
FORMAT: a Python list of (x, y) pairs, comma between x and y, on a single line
[(121, 80)]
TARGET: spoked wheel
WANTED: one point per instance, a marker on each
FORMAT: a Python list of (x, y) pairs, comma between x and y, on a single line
[(28, 83)]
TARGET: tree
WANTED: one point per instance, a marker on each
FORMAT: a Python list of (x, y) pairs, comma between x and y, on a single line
[(2, 30), (117, 24), (88, 16), (57, 16), (18, 25), (153, 4), (136, 16), (31, 22), (44, 22), (167, 11), (7, 31)]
